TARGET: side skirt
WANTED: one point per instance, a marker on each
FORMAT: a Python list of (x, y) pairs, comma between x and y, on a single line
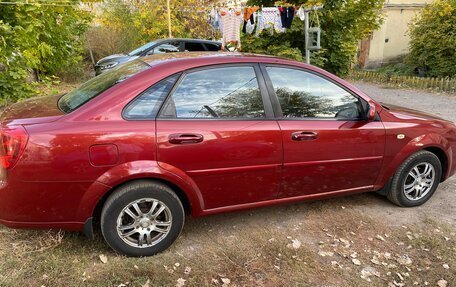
[(287, 200)]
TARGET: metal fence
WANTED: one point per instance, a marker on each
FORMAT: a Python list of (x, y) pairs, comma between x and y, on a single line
[(439, 84)]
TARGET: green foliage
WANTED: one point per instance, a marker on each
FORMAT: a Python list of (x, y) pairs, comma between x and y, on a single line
[(126, 25), (397, 69), (275, 44), (41, 38), (433, 39), (343, 23)]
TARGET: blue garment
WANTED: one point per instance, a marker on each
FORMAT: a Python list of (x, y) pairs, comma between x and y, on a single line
[(286, 15)]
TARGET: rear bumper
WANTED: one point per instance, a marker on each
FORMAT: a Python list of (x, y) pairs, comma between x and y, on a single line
[(38, 205)]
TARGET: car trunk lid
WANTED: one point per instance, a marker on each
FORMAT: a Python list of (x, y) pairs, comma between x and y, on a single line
[(32, 111)]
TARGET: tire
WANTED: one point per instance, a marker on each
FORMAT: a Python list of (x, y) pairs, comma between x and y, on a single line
[(160, 214), (403, 180)]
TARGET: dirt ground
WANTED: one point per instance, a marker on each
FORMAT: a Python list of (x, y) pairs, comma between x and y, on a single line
[(360, 240)]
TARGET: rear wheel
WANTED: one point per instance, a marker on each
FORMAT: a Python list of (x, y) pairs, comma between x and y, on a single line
[(142, 218), (416, 179)]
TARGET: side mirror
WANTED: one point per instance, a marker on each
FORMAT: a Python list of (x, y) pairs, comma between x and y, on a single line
[(371, 112)]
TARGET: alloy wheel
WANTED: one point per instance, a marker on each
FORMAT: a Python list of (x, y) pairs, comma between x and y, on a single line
[(419, 181), (144, 222)]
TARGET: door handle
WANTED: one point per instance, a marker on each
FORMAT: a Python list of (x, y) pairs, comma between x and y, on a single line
[(185, 138), (304, 136)]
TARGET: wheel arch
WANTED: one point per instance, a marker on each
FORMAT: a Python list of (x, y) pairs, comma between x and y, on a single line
[(440, 153), (184, 187), (434, 143), (96, 213)]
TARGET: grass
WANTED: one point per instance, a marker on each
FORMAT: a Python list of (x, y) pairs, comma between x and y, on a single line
[(398, 69), (248, 248)]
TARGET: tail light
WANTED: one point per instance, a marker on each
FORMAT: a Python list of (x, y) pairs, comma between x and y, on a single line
[(12, 143)]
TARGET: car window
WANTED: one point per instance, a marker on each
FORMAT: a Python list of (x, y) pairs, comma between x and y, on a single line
[(146, 105), (141, 49), (212, 47), (165, 48), (192, 46), (226, 92), (95, 86), (305, 95)]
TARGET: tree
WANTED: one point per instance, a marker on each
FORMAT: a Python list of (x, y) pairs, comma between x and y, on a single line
[(38, 36), (343, 22), (134, 23), (433, 39)]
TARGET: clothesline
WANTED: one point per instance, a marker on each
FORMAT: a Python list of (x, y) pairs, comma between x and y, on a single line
[(277, 19)]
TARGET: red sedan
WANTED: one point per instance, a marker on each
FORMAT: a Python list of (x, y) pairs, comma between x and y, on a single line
[(142, 146)]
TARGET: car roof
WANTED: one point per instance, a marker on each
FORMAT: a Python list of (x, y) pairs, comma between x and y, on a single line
[(187, 40), (218, 57)]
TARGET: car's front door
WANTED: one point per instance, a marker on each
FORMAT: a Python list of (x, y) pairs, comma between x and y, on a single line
[(328, 144), (217, 127)]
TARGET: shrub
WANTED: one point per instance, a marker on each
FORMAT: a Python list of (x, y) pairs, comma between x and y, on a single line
[(343, 22), (38, 38), (433, 39)]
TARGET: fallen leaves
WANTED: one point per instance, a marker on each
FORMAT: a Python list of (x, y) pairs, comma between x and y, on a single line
[(404, 260), (187, 270), (225, 281), (295, 244), (369, 271), (379, 237), (103, 258), (356, 261), (325, 253), (180, 282)]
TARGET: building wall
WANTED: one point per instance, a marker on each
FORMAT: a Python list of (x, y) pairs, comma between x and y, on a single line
[(390, 42)]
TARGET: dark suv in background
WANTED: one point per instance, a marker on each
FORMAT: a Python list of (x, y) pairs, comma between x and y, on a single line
[(157, 47)]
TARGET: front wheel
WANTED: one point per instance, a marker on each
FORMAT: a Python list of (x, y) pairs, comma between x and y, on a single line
[(142, 218), (416, 179)]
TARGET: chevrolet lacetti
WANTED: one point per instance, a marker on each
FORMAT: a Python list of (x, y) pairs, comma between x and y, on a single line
[(138, 148)]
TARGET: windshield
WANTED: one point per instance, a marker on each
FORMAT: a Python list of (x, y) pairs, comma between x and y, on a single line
[(141, 49), (95, 86)]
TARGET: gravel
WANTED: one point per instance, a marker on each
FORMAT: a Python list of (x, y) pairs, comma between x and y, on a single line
[(439, 104)]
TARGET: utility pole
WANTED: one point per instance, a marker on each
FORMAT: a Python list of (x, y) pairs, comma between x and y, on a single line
[(169, 18)]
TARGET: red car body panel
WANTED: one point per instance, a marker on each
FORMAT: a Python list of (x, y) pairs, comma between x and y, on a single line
[(232, 152), (326, 164), (72, 161)]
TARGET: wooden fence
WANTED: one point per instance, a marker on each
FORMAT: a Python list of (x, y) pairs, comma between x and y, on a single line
[(439, 84)]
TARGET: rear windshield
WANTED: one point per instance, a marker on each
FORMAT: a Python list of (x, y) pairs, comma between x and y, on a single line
[(93, 87)]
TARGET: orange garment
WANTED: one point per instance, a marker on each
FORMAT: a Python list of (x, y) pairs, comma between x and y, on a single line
[(248, 11)]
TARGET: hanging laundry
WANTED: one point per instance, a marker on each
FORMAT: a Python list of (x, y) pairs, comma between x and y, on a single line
[(214, 19), (286, 16), (250, 26), (220, 24), (270, 19), (301, 14), (231, 23), (249, 16)]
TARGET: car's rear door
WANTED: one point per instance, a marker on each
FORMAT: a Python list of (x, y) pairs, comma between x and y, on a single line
[(328, 144), (217, 126)]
